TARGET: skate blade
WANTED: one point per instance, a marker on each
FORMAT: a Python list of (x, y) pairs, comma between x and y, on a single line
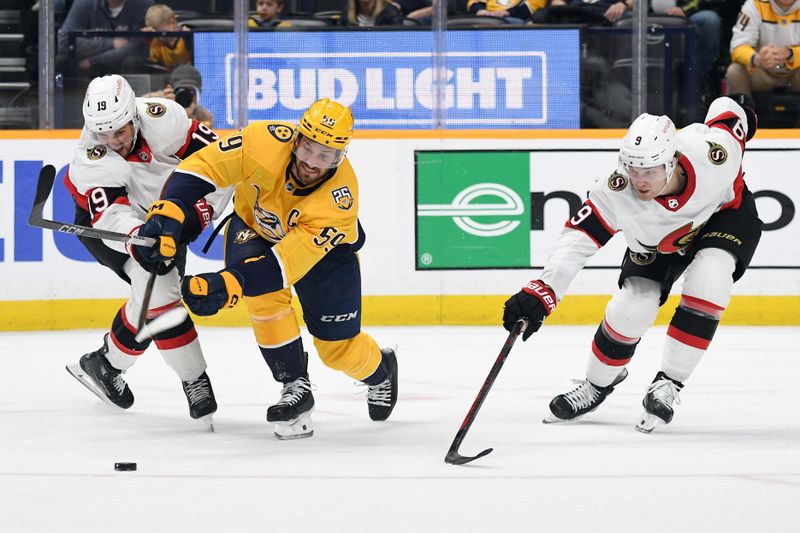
[(647, 423), (209, 421), (553, 419), (299, 428), (77, 372)]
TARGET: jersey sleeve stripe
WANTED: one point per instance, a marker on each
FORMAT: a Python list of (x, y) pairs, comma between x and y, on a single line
[(592, 224)]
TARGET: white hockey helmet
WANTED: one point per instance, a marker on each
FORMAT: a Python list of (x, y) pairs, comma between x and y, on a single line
[(110, 104), (651, 141)]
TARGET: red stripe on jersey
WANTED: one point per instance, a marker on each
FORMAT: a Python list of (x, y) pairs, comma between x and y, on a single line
[(156, 311), (180, 154), (124, 315), (738, 187), (718, 122), (123, 348), (687, 338), (176, 342), (80, 199), (688, 191), (709, 308), (618, 337), (607, 360), (600, 218)]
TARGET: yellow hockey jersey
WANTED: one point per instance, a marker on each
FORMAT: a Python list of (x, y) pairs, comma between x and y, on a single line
[(305, 223)]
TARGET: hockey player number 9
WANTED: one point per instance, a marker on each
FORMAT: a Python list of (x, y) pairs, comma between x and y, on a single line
[(581, 215)]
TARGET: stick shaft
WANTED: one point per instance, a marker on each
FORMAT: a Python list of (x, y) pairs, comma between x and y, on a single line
[(44, 186)]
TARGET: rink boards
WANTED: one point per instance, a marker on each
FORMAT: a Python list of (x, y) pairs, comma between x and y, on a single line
[(455, 221)]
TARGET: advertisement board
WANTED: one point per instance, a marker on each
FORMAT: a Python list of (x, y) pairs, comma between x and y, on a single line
[(492, 78), (506, 208)]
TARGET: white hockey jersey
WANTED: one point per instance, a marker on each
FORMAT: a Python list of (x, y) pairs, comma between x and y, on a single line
[(711, 157), (117, 191)]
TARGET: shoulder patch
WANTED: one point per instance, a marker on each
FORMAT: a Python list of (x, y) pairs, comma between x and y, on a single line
[(342, 198), (280, 132), (617, 182), (96, 152), (716, 153), (155, 109)]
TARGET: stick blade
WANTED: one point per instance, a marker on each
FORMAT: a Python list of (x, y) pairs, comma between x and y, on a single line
[(47, 176), (454, 458)]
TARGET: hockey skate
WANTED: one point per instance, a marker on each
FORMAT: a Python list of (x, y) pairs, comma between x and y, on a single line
[(584, 398), (382, 398), (661, 394), (292, 414), (106, 382), (200, 395)]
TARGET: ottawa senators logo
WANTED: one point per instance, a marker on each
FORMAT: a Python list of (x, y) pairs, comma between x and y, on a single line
[(642, 258), (280, 132), (676, 241), (96, 152), (342, 198), (716, 153), (155, 110), (617, 182)]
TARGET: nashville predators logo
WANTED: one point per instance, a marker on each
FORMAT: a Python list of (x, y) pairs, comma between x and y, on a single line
[(96, 152), (267, 221), (716, 153), (342, 198), (244, 235), (280, 132), (642, 259), (617, 182), (155, 110)]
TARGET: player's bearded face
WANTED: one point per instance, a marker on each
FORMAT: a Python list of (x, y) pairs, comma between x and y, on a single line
[(648, 181), (313, 160), (121, 140)]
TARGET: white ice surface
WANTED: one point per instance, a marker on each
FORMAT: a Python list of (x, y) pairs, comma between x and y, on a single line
[(729, 462)]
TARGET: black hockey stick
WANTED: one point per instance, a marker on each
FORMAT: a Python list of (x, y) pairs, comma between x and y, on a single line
[(453, 457), (46, 178)]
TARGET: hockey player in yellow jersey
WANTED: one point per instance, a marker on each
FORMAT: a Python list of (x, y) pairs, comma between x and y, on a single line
[(295, 224)]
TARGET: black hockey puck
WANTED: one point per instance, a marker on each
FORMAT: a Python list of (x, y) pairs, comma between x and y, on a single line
[(125, 467)]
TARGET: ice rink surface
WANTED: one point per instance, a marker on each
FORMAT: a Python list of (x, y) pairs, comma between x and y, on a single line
[(729, 462)]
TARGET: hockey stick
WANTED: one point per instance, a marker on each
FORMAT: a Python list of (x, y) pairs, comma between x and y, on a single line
[(453, 457), (45, 184)]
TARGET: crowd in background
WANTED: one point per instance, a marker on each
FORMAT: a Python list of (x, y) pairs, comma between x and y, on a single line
[(745, 46)]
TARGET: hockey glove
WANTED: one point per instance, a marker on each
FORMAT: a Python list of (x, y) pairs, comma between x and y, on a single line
[(535, 302), (206, 294), (164, 223), (746, 102)]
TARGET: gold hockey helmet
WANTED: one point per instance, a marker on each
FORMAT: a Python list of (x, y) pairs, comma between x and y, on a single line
[(329, 123)]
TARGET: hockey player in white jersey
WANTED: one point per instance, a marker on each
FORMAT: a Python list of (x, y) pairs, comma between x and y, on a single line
[(682, 205), (127, 149)]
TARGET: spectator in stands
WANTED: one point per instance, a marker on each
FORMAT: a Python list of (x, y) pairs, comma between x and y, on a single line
[(166, 51), (765, 47), (419, 10), (268, 14), (706, 17), (593, 12), (519, 11), (368, 13), (104, 54), (184, 87)]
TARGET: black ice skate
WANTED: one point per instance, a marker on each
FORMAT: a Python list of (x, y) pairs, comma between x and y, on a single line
[(200, 396), (106, 382), (584, 398), (382, 398), (661, 394), (292, 414)]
